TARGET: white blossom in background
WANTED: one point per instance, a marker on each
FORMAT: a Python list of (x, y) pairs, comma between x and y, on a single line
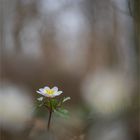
[(107, 93), (15, 107)]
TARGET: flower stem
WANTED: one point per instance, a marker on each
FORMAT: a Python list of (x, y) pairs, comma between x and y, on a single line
[(50, 115)]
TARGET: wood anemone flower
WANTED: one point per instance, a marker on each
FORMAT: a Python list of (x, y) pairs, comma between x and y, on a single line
[(53, 104), (49, 92)]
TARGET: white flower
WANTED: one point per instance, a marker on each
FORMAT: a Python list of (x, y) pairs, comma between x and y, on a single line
[(16, 107), (107, 92), (49, 92)]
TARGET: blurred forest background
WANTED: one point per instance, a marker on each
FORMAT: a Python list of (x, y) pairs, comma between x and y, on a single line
[(89, 49)]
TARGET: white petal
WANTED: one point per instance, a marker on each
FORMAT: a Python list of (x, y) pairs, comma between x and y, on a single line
[(55, 88), (58, 93), (47, 95), (42, 93), (50, 96), (41, 89), (46, 88), (39, 92)]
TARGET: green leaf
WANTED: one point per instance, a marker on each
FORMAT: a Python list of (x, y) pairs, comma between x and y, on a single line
[(40, 99), (62, 112)]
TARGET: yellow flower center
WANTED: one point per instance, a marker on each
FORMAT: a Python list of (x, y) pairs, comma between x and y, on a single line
[(50, 91)]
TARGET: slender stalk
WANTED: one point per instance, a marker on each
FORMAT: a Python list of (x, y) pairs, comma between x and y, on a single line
[(50, 115)]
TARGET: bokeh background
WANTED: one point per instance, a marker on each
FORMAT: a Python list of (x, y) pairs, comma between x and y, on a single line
[(89, 49)]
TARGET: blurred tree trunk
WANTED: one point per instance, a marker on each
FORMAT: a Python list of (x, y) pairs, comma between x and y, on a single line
[(1, 37), (136, 14), (136, 11), (135, 6)]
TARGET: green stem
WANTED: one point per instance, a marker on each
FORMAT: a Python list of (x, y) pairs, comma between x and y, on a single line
[(50, 115)]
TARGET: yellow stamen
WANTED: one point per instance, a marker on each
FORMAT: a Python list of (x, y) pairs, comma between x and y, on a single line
[(50, 91)]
